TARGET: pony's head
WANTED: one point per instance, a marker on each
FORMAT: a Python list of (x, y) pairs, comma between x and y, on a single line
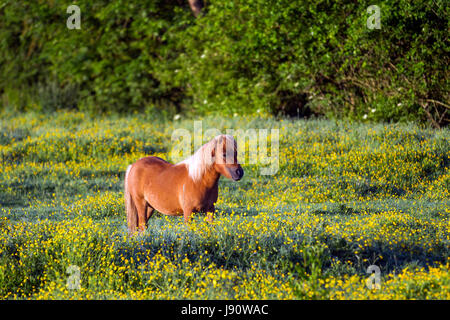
[(224, 157), (220, 154)]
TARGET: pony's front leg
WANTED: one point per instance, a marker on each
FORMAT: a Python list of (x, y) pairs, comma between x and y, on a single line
[(187, 213), (210, 214)]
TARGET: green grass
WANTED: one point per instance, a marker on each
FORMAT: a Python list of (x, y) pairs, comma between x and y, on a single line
[(345, 196)]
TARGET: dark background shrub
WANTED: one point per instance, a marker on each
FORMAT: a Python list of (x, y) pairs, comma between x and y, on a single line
[(295, 58)]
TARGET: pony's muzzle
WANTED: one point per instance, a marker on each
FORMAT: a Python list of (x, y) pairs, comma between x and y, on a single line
[(239, 173)]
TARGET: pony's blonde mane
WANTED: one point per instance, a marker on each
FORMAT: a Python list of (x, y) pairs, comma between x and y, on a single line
[(202, 160)]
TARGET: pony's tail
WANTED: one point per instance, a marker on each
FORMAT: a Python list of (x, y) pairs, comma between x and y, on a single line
[(130, 207)]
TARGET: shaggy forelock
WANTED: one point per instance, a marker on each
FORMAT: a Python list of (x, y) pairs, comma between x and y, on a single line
[(202, 160)]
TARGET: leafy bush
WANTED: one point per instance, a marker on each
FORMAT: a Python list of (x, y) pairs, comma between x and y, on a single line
[(110, 59), (298, 57), (284, 57)]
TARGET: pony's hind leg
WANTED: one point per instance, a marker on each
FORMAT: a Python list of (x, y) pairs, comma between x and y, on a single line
[(141, 207), (149, 211)]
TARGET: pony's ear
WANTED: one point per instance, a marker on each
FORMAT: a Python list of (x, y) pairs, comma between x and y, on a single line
[(213, 152)]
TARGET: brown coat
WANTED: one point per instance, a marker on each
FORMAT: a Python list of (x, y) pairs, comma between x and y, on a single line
[(173, 189)]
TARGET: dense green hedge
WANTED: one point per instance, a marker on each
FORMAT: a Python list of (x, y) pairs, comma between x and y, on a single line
[(293, 57), (110, 62)]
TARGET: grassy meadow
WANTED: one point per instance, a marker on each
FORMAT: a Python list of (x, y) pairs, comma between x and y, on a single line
[(346, 196)]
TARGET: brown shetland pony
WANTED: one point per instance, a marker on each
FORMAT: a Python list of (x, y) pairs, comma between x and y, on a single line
[(179, 189)]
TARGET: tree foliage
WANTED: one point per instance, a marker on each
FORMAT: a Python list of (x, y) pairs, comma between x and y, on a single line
[(284, 57)]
